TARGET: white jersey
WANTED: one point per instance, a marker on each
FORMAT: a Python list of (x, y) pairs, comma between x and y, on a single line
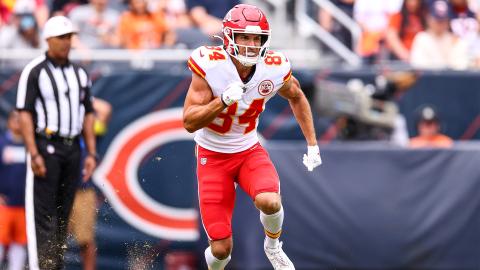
[(235, 129)]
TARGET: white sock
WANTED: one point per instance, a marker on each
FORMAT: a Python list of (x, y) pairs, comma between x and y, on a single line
[(214, 263), (273, 227), (16, 257)]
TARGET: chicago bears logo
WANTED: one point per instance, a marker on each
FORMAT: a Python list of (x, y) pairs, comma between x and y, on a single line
[(265, 87), (117, 177)]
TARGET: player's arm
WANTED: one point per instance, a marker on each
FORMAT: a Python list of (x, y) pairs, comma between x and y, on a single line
[(301, 108), (200, 106)]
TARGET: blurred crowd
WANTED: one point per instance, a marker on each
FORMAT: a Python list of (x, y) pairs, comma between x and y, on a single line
[(129, 24), (430, 34)]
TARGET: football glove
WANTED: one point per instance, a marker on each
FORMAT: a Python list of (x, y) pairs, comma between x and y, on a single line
[(233, 93), (312, 159)]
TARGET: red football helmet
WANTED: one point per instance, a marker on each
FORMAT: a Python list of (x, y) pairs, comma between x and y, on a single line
[(246, 19)]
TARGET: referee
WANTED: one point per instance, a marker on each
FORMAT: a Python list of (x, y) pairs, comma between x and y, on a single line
[(55, 108)]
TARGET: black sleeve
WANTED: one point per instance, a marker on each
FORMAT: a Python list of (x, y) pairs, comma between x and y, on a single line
[(88, 99), (27, 91), (87, 102)]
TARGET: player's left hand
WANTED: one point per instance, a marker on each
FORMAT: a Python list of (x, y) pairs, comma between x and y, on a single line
[(312, 159)]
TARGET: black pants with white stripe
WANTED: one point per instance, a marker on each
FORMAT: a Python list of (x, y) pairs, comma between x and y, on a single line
[(49, 201)]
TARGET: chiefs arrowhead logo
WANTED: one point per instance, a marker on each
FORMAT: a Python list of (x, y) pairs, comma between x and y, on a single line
[(265, 87)]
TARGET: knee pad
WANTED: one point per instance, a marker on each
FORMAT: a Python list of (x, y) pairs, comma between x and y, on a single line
[(217, 231)]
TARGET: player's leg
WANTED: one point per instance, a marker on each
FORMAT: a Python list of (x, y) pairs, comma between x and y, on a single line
[(216, 192), (271, 216), (82, 225), (260, 180), (5, 232), (17, 252), (217, 255)]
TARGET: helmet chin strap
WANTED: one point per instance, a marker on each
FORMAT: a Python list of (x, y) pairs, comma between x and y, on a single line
[(245, 63), (243, 60)]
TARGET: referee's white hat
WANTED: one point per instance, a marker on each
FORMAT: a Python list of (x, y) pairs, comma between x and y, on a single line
[(58, 26)]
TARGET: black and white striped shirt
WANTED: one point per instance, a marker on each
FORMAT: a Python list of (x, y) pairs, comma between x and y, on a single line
[(58, 96)]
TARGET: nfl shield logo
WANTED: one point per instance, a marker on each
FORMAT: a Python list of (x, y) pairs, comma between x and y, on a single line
[(203, 160)]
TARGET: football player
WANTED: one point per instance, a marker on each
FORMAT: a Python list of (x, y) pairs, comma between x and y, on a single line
[(229, 89)]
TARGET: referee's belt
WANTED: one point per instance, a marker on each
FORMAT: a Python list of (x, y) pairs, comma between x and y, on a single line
[(57, 138)]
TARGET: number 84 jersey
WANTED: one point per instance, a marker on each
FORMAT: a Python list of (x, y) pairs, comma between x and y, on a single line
[(235, 128)]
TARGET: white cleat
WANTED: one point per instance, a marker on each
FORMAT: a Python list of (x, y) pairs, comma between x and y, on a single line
[(278, 258)]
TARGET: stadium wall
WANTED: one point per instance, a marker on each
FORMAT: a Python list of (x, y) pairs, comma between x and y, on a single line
[(370, 206)]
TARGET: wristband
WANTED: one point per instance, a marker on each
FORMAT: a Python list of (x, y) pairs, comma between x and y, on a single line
[(224, 104)]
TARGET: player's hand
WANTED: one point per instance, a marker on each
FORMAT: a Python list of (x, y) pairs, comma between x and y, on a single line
[(3, 199), (88, 166), (312, 159), (233, 93), (38, 166)]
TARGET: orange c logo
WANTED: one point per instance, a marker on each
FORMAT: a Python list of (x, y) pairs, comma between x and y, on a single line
[(117, 177)]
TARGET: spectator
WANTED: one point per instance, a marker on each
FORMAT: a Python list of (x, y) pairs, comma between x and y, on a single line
[(21, 34), (437, 47), (403, 27), (179, 21), (96, 24), (141, 29), (474, 49), (372, 16), (38, 8), (207, 15), (428, 128), (63, 7), (463, 21), (84, 211), (175, 12), (338, 30), (10, 7), (12, 199)]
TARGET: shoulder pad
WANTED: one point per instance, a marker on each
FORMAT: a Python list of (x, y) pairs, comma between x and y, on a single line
[(206, 57), (278, 63)]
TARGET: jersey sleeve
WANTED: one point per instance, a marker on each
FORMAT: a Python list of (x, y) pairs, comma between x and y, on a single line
[(206, 58), (27, 91), (193, 63), (279, 65)]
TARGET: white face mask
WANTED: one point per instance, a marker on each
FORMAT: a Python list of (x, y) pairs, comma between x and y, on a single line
[(253, 54)]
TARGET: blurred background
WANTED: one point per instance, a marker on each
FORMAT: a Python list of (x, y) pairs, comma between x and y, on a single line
[(395, 90)]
